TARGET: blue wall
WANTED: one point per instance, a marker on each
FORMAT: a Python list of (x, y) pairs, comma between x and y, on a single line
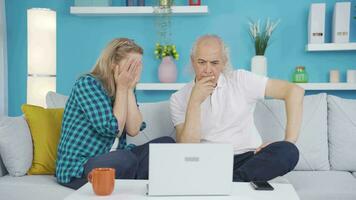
[(80, 40)]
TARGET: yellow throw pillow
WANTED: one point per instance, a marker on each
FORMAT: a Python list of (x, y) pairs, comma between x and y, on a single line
[(45, 128)]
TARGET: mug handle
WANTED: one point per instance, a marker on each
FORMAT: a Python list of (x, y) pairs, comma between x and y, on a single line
[(90, 177)]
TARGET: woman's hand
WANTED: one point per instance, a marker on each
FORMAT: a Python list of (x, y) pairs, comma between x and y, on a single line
[(125, 74), (137, 73)]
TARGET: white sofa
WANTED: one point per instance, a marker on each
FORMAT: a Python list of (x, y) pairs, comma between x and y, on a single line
[(327, 165)]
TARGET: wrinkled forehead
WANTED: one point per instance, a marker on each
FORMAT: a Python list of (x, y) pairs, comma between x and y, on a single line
[(209, 49)]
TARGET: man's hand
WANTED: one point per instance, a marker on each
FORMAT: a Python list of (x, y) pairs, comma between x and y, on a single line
[(202, 89), (261, 147)]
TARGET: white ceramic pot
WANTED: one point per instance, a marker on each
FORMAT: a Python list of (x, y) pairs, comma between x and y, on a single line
[(259, 65)]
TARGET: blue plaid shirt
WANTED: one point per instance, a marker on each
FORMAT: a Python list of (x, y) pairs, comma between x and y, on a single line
[(89, 128)]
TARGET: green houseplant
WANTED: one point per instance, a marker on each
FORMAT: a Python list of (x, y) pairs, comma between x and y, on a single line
[(261, 40), (162, 51)]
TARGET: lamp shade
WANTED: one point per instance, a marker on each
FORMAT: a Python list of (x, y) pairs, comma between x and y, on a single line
[(41, 54)]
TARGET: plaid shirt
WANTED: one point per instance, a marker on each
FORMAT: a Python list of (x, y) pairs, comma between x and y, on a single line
[(89, 128)]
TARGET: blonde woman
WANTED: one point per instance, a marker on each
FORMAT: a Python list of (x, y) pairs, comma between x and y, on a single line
[(101, 107)]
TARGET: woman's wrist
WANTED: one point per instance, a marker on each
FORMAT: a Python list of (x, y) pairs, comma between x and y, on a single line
[(121, 90)]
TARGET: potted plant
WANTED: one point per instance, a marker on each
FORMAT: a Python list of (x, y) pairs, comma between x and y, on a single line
[(261, 40), (167, 70), (165, 3)]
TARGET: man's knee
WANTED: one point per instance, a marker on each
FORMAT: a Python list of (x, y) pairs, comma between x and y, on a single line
[(290, 152)]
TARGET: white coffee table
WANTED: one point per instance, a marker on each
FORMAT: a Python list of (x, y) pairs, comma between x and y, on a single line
[(136, 189)]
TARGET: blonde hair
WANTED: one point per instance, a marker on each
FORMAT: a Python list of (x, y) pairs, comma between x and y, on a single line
[(113, 53)]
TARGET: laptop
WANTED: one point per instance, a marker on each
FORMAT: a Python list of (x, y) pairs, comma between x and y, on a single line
[(190, 169)]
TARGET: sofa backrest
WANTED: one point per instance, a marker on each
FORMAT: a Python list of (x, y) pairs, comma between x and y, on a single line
[(158, 122), (55, 100), (3, 170), (270, 120), (342, 133), (156, 115)]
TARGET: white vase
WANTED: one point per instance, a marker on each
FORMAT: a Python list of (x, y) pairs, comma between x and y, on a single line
[(259, 65)]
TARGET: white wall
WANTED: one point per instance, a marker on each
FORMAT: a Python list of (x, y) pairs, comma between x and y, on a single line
[(3, 62)]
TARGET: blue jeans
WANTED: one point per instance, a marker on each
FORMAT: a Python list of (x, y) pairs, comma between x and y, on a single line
[(127, 164), (274, 160)]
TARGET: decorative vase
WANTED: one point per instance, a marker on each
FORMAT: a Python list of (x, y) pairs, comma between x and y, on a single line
[(259, 65), (167, 70)]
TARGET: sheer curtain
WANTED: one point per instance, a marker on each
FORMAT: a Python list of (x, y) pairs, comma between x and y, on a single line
[(3, 62)]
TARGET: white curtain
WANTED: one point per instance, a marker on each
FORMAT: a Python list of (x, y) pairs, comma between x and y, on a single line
[(3, 62)]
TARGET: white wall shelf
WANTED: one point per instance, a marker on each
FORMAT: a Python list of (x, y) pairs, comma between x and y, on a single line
[(331, 47), (328, 86), (306, 86), (135, 10)]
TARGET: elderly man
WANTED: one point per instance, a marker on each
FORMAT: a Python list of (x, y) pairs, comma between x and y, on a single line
[(218, 107)]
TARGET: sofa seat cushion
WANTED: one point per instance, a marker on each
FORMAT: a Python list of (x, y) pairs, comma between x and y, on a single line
[(323, 185), (36, 187), (354, 173)]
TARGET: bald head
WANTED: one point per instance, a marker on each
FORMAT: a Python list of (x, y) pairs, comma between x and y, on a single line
[(213, 42), (209, 57)]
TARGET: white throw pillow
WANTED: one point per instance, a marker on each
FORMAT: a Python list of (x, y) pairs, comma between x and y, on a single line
[(342, 133), (55, 100), (270, 119), (3, 170), (16, 145), (158, 123)]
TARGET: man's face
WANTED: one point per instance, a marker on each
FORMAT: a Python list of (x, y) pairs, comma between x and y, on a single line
[(208, 60)]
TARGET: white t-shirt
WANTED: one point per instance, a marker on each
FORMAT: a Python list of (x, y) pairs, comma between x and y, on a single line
[(227, 115)]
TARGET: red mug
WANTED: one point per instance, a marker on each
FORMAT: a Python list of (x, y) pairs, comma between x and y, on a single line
[(102, 180)]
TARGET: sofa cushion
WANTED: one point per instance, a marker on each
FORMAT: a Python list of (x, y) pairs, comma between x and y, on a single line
[(270, 119), (39, 187), (342, 133), (354, 173), (3, 170), (323, 185), (45, 127), (158, 122), (15, 145), (55, 100)]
